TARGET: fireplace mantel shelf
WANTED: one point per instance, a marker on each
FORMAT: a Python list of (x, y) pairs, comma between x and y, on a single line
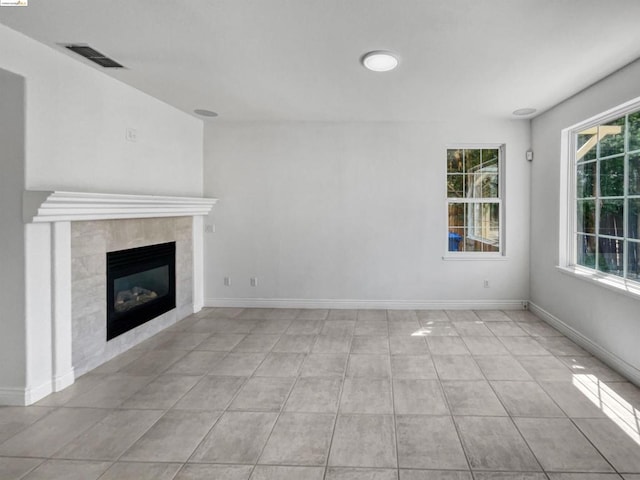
[(57, 206)]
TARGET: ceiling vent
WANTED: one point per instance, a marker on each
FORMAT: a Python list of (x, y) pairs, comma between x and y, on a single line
[(93, 55)]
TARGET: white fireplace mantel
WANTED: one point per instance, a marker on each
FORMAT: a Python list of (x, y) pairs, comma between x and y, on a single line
[(47, 216), (58, 206)]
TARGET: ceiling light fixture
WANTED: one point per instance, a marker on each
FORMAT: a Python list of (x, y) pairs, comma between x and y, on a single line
[(380, 61), (205, 113), (523, 112)]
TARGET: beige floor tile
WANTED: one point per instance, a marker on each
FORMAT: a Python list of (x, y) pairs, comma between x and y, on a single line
[(408, 345), (462, 316), (494, 443), (238, 364), (361, 474), (111, 437), (523, 346), (211, 393), (196, 363), (294, 343), (413, 366), (173, 438), (338, 327), (447, 346), (484, 346), (112, 391), (299, 439), (15, 419), (369, 366), (559, 446), (332, 344), (502, 367), (343, 315), (492, 315), (366, 395), (312, 314), (506, 329), (238, 437), (305, 327), (324, 365), (429, 442), (546, 368), (472, 397), (406, 327), (617, 440), (427, 317), (434, 475), (162, 393), (371, 328), (68, 470), (364, 441), (264, 394), (315, 395), (256, 343), (141, 471), (221, 342), (457, 367), (281, 365), (526, 399), (267, 472), (51, 433), (370, 344), (372, 315), (416, 396), (214, 472), (17, 468)]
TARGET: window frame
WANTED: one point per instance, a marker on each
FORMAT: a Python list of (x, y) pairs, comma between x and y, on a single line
[(500, 201), (568, 251)]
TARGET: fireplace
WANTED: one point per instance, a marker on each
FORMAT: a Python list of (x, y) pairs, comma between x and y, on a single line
[(141, 285)]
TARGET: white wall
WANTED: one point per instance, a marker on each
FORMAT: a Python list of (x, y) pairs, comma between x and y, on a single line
[(608, 319), (353, 211), (76, 122), (12, 258)]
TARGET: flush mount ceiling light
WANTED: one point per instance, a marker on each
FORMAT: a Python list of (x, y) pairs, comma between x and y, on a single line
[(380, 61), (205, 113), (523, 112)]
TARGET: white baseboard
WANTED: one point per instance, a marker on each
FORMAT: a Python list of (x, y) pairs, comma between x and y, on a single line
[(612, 360), (63, 381), (368, 304), (13, 397), (24, 396)]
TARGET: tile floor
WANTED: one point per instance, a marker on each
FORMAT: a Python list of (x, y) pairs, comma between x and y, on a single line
[(266, 394)]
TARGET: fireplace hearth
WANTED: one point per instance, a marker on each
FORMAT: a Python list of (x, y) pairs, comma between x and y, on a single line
[(141, 285)]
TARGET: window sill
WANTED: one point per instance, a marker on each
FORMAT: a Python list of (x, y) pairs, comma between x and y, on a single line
[(491, 257), (609, 282)]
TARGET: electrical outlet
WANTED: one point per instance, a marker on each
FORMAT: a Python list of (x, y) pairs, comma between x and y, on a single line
[(253, 281), (131, 134), (486, 284), (227, 281)]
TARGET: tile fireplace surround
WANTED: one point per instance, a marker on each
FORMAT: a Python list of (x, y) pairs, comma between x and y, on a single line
[(67, 237)]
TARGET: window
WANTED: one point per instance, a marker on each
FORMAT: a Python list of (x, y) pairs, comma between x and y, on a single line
[(605, 193), (474, 199)]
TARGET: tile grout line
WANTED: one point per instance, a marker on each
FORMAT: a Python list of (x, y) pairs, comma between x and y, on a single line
[(337, 415)]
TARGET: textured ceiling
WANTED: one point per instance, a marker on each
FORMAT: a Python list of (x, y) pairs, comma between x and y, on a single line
[(298, 60)]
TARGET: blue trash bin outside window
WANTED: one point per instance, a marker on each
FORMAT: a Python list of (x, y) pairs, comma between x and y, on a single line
[(454, 242)]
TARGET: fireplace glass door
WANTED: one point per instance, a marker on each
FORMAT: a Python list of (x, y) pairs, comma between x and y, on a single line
[(140, 286)]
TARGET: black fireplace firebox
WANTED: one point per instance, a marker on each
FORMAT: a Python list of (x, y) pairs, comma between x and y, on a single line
[(141, 285)]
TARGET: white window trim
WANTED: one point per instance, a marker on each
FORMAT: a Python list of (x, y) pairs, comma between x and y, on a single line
[(500, 255), (567, 245)]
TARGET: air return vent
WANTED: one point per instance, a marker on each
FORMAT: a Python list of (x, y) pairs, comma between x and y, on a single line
[(93, 55)]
